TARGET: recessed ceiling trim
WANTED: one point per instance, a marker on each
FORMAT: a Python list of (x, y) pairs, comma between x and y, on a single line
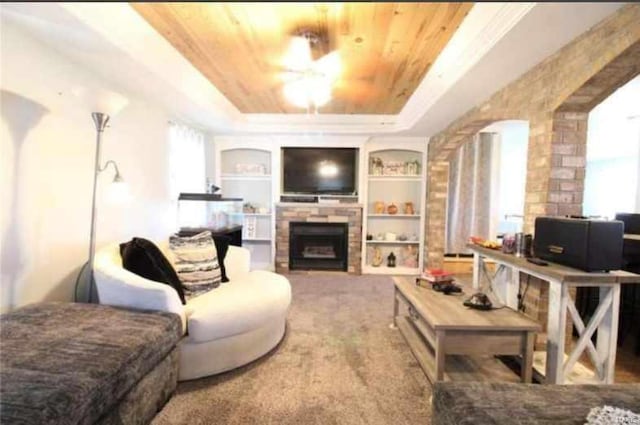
[(127, 30), (483, 27), (244, 49), (119, 24)]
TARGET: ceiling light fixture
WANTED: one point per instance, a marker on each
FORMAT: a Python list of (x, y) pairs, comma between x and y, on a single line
[(308, 83)]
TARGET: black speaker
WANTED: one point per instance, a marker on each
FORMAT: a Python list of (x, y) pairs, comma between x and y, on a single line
[(589, 245), (631, 222)]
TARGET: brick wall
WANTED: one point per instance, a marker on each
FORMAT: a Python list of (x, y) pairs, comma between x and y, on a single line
[(352, 214), (436, 220), (555, 97)]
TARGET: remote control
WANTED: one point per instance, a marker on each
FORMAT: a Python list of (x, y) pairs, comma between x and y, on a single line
[(537, 261)]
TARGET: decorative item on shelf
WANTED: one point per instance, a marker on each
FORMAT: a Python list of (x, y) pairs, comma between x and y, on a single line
[(263, 210), (391, 260), (248, 208), (389, 236), (395, 168), (509, 243), (377, 166), (379, 237), (410, 256), (249, 228), (413, 167), (408, 208), (247, 169), (378, 207), (413, 237), (392, 209), (402, 237), (369, 237), (376, 260), (210, 187)]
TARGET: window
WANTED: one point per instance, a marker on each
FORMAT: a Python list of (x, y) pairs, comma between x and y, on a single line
[(613, 154), (187, 170)]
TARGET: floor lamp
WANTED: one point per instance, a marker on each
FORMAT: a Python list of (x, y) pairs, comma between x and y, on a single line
[(85, 285)]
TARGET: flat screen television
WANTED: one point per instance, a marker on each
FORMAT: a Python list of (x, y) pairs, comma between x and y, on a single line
[(319, 170)]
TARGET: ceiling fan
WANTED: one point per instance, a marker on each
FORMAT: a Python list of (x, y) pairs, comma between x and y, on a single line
[(309, 82)]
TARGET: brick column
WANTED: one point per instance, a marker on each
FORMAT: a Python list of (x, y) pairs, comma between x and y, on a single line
[(555, 183), (568, 160), (555, 166), (538, 171), (437, 194)]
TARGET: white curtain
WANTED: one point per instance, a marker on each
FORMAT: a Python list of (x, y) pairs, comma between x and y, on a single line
[(187, 172), (469, 203)]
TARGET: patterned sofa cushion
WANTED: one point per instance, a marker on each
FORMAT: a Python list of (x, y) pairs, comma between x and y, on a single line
[(195, 259), (66, 363), (475, 403)]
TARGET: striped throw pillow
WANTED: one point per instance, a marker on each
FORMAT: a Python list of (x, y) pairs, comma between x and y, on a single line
[(196, 262)]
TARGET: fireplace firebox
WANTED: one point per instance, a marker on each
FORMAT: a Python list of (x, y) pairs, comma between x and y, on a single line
[(318, 246)]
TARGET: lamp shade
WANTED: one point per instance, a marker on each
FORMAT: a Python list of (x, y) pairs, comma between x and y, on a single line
[(117, 192), (100, 100)]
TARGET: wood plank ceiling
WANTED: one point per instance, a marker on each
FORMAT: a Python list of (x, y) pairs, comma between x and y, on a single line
[(385, 48)]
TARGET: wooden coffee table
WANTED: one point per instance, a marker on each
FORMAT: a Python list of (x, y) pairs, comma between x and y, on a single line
[(439, 324)]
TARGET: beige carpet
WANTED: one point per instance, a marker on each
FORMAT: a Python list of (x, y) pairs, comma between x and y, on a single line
[(339, 363)]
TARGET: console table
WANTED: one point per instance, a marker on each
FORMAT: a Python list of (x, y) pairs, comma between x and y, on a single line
[(451, 328), (561, 278)]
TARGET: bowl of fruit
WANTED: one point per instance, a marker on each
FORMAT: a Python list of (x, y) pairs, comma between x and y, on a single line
[(484, 243)]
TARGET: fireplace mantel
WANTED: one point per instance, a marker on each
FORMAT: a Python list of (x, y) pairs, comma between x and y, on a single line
[(317, 205)]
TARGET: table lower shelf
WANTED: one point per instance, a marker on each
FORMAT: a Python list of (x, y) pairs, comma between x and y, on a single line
[(580, 374), (458, 367)]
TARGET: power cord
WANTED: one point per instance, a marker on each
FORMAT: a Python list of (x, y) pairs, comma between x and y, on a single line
[(521, 295)]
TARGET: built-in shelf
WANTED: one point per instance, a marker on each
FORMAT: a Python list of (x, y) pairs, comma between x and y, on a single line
[(383, 187), (240, 177), (391, 270), (400, 178), (394, 242), (240, 166), (252, 214), (402, 216)]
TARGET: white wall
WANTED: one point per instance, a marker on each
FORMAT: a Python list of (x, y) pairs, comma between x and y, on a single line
[(47, 147), (509, 174), (612, 181)]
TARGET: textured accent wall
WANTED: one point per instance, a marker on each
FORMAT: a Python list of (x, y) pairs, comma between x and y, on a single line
[(436, 220), (317, 213), (555, 97)]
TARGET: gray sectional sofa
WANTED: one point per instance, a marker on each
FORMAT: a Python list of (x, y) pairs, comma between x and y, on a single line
[(67, 363), (478, 403)]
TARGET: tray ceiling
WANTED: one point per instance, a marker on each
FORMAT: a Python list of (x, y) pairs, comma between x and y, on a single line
[(386, 48)]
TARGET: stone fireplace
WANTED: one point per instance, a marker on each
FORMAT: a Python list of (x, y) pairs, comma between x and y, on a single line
[(318, 237), (318, 246)]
